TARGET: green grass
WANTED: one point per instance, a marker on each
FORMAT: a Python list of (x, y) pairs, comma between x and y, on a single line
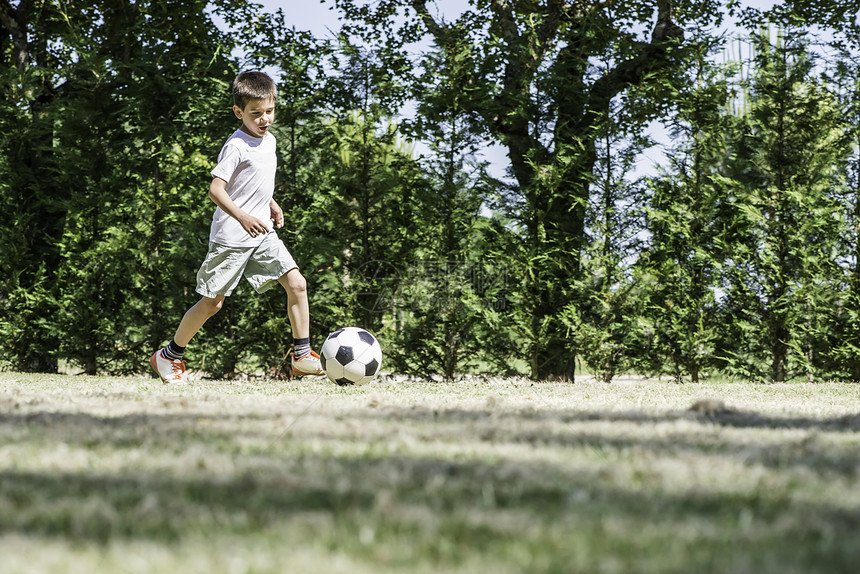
[(128, 475)]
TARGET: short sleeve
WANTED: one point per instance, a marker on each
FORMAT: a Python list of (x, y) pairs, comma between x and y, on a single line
[(228, 161)]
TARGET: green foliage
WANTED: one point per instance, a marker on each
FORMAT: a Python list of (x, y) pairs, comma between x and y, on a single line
[(363, 225), (783, 242), (841, 333), (739, 255), (452, 290), (685, 216), (112, 112), (603, 317), (532, 85)]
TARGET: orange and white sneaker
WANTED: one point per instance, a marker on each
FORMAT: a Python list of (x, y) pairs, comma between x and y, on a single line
[(169, 371), (307, 365)]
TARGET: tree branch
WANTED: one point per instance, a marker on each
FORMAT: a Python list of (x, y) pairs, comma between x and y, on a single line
[(555, 9), (651, 57), (9, 18), (665, 29), (435, 29), (507, 24)]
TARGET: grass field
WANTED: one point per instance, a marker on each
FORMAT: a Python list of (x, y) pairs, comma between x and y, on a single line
[(128, 475)]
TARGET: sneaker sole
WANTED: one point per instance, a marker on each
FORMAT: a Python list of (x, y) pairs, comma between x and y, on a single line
[(296, 373)]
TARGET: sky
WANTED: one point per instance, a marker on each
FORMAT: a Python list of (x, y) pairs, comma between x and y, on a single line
[(319, 17)]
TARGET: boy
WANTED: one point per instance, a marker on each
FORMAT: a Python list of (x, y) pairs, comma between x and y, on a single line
[(241, 242)]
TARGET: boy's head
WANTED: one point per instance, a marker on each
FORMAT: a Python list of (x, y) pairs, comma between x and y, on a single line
[(253, 86), (254, 96)]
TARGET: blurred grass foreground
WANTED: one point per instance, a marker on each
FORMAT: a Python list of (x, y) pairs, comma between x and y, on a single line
[(405, 475)]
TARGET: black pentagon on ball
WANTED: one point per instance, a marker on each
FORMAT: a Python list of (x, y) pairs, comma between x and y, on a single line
[(366, 337), (322, 361), (344, 382), (344, 355), (336, 333), (370, 368)]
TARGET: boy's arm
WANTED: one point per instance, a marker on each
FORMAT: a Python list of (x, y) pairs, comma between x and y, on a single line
[(218, 194), (277, 214)]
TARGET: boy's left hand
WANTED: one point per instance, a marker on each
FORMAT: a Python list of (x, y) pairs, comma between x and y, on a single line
[(277, 214)]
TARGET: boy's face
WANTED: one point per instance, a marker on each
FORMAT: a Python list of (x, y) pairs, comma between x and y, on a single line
[(257, 117)]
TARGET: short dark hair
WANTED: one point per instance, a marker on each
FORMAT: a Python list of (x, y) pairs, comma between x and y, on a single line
[(253, 85)]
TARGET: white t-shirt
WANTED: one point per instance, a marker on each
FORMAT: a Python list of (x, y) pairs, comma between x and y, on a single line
[(247, 164)]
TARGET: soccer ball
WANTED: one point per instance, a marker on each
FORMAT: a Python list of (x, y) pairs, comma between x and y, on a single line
[(351, 356)]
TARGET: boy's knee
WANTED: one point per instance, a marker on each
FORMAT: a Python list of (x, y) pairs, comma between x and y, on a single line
[(212, 305), (294, 282)]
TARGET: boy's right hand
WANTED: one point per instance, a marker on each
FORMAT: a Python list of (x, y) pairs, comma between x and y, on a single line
[(253, 226), (218, 194)]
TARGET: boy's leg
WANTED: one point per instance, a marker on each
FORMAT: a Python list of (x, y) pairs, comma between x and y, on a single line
[(304, 361), (298, 309), (167, 362), (195, 317)]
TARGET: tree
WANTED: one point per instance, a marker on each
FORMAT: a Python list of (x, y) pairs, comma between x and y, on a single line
[(444, 296), (781, 261), (843, 358), (535, 90), (105, 173), (605, 312), (685, 216)]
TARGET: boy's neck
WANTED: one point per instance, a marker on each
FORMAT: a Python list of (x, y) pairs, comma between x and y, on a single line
[(244, 129)]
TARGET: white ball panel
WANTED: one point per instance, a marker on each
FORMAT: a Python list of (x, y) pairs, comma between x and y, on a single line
[(349, 337)]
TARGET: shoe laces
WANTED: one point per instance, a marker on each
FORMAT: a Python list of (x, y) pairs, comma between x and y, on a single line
[(178, 369)]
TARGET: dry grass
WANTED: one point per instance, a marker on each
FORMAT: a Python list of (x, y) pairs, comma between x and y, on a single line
[(127, 475)]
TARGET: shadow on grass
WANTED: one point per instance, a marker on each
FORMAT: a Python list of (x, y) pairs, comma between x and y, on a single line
[(452, 496), (718, 415), (472, 503), (571, 429), (721, 416), (546, 428)]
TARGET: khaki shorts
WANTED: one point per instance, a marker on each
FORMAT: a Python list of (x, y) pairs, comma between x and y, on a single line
[(262, 266)]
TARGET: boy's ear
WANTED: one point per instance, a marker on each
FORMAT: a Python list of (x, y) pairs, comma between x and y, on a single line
[(238, 111)]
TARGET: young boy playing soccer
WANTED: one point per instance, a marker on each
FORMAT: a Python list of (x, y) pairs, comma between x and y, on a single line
[(242, 241)]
